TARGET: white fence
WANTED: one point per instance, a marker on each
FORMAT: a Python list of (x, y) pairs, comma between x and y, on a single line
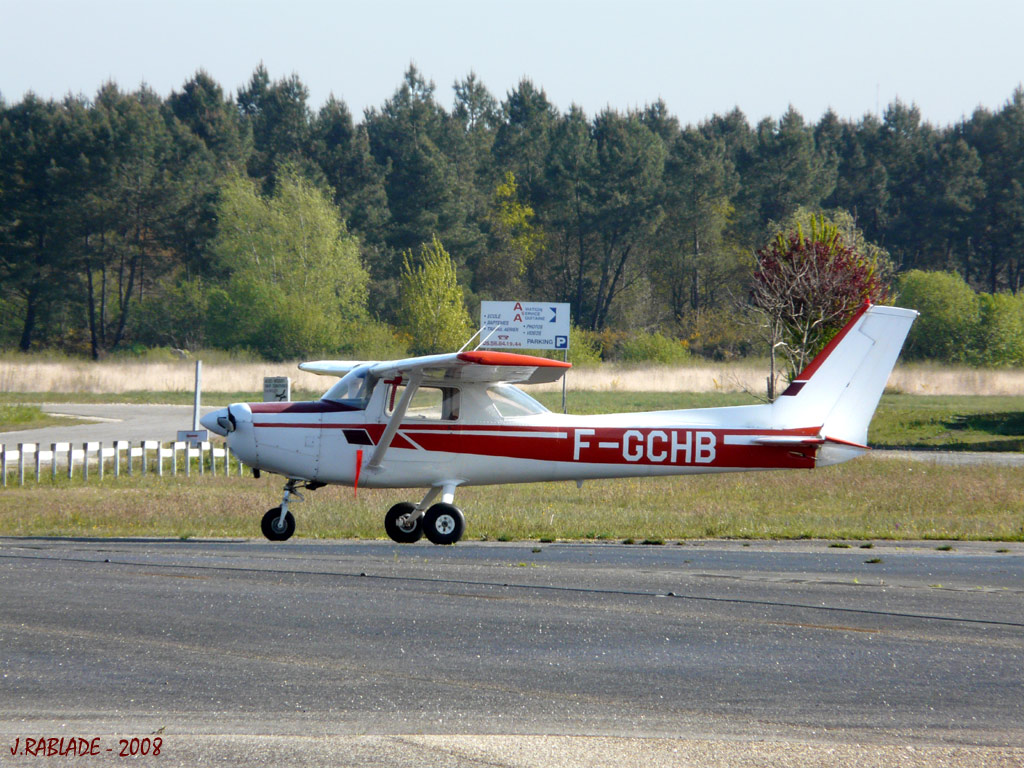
[(121, 458)]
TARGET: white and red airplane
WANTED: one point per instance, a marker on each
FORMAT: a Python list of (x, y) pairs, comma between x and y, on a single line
[(444, 421)]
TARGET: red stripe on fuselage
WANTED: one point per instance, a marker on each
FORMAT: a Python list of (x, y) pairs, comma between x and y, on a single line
[(644, 446)]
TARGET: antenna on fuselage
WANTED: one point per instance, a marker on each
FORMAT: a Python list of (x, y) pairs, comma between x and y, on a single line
[(482, 340), (470, 341)]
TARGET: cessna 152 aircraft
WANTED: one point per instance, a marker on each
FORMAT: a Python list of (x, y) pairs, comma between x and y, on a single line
[(443, 421)]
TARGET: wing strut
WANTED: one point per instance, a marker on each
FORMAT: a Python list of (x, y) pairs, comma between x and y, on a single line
[(396, 419)]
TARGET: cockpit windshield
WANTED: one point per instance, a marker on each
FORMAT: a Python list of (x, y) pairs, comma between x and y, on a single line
[(353, 389)]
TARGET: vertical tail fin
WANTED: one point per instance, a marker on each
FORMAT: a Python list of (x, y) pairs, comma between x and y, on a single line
[(841, 387)]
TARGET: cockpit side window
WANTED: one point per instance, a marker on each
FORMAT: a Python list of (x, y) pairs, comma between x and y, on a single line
[(428, 403)]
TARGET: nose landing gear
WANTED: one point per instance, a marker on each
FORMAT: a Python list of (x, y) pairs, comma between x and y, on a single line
[(278, 524)]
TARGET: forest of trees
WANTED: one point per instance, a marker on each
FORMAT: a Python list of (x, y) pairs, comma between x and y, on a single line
[(256, 221)]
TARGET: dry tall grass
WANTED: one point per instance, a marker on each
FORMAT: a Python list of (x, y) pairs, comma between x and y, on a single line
[(113, 377)]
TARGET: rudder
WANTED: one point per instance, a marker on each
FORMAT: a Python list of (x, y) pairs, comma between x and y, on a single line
[(841, 387)]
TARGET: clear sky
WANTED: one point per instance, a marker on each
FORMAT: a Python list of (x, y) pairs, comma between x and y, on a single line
[(702, 58)]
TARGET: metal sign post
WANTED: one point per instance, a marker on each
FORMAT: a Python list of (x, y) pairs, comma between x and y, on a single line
[(198, 393)]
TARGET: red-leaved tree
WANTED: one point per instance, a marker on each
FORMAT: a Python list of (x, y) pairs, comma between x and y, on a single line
[(806, 286)]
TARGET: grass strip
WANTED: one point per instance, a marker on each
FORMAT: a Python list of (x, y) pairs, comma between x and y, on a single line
[(864, 499), (19, 417)]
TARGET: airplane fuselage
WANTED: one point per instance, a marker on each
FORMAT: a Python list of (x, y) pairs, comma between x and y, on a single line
[(319, 441)]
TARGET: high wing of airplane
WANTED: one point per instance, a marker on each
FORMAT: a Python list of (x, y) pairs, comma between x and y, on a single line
[(443, 421)]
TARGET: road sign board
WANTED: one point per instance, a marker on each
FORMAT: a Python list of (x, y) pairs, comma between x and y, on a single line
[(525, 324), (277, 389), (193, 436)]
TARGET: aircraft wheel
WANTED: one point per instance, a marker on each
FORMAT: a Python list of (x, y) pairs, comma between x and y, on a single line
[(443, 524), (275, 530), (403, 532)]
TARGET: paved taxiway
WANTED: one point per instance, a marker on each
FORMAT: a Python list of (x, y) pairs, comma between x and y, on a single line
[(358, 653)]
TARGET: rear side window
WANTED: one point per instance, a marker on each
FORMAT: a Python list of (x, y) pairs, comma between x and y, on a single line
[(512, 402)]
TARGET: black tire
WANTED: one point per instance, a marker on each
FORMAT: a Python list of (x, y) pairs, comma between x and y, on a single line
[(443, 524), (272, 530), (406, 534)]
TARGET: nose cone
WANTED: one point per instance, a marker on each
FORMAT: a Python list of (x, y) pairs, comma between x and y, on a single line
[(218, 422)]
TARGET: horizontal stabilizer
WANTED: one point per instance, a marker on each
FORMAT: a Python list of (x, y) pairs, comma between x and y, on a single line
[(788, 440)]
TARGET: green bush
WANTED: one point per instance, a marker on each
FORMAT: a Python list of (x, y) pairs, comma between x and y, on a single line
[(637, 346), (584, 347), (651, 348), (1000, 336), (947, 329)]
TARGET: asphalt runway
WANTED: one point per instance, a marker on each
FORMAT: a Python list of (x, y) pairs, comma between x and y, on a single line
[(107, 422), (486, 654)]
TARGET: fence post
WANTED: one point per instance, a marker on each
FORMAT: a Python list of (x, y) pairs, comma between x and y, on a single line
[(130, 458), (71, 459), (3, 464), (21, 464), (99, 459), (53, 462), (38, 459), (85, 462), (160, 458), (117, 458)]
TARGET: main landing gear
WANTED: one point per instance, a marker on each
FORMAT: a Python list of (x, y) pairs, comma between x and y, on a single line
[(441, 523)]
